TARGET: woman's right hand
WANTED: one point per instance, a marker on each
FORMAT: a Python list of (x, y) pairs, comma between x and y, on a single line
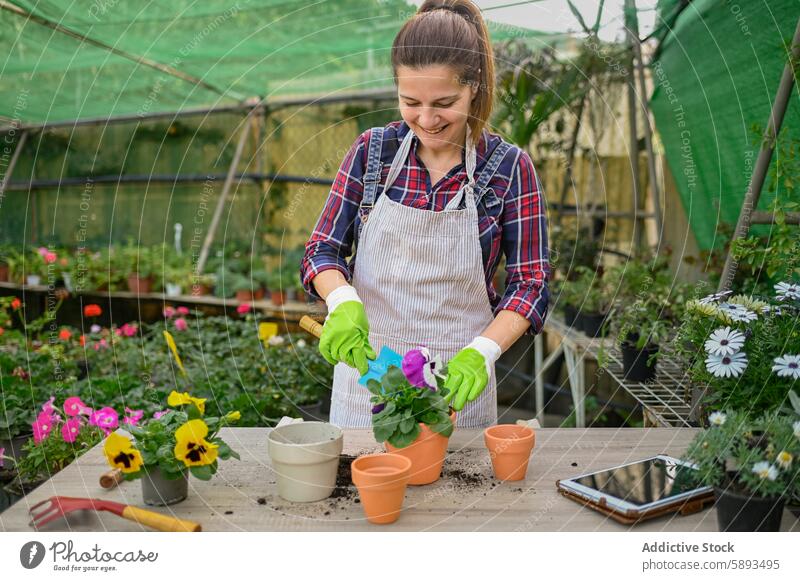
[(345, 334)]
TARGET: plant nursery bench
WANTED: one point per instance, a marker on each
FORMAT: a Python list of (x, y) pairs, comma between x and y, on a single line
[(242, 495)]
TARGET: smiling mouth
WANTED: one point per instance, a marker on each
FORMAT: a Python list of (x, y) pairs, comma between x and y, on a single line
[(436, 132)]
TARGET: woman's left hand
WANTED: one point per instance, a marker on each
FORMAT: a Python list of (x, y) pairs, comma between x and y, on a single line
[(469, 371)]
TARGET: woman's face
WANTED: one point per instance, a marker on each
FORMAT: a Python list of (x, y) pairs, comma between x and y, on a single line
[(435, 103)]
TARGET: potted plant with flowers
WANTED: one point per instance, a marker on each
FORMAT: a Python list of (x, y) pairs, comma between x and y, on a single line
[(742, 351), (411, 415), (169, 446), (752, 463), (59, 437)]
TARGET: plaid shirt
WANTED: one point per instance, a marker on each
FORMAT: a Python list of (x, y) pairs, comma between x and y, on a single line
[(517, 225)]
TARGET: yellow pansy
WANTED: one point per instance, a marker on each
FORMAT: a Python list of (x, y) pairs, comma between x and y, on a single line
[(176, 399), (174, 349), (234, 416), (192, 448), (121, 454)]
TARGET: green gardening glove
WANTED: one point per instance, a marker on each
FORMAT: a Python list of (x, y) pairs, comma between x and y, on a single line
[(345, 334), (468, 371)]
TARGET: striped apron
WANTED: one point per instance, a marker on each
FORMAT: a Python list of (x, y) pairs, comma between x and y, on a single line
[(420, 275)]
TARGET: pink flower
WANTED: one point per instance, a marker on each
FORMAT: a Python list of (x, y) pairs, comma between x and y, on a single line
[(129, 330), (133, 416), (169, 312), (50, 257), (42, 427), (106, 419), (47, 407), (181, 324), (103, 343), (73, 406), (118, 331), (71, 429), (42, 251), (183, 310), (159, 414), (2, 451), (243, 308)]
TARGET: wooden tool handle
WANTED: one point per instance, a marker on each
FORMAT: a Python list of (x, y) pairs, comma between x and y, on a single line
[(159, 521), (111, 478), (311, 326)]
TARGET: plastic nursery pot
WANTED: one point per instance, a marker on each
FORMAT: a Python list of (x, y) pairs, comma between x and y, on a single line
[(634, 362), (158, 491), (244, 296), (381, 480), (509, 448), (570, 313), (738, 512), (426, 453), (593, 323), (305, 457), (277, 297)]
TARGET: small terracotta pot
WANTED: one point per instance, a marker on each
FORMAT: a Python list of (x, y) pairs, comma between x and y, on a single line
[(277, 297), (426, 453), (381, 480), (3, 272), (244, 296), (258, 294), (139, 285), (510, 448)]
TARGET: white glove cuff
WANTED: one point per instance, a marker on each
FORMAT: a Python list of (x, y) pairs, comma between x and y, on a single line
[(490, 350), (341, 295)]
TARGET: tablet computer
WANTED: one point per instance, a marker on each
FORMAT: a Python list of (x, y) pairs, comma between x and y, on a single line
[(640, 490)]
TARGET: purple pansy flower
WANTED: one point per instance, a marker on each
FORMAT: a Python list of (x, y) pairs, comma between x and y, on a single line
[(420, 368), (378, 408)]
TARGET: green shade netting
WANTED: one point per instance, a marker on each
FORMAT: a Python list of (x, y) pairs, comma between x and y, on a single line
[(229, 50), (716, 75)]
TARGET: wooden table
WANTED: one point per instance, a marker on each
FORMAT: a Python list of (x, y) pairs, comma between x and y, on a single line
[(242, 496)]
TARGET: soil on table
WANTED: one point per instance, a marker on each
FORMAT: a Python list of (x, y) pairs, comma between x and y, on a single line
[(466, 471)]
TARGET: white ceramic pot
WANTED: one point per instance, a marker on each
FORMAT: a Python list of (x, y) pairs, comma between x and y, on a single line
[(305, 457), (34, 279), (173, 290)]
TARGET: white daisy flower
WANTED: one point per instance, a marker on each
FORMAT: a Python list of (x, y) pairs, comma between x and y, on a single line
[(301, 343), (738, 312), (787, 366), (774, 309), (796, 428), (727, 365), (786, 290), (724, 341), (276, 340), (717, 418), (714, 298), (784, 459), (765, 470)]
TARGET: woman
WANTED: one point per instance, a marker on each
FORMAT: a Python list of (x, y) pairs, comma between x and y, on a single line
[(429, 202)]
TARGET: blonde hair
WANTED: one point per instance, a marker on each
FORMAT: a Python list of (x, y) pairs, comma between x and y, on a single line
[(451, 33)]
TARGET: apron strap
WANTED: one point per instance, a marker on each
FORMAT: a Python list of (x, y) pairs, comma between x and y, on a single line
[(372, 176), (487, 173)]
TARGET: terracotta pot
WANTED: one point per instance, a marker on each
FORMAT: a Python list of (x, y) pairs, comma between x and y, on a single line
[(426, 453), (305, 457), (510, 448), (277, 297), (381, 480), (3, 272), (244, 296), (200, 290), (139, 285), (258, 294)]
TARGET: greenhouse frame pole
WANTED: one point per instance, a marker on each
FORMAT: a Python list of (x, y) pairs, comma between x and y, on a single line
[(633, 145), (768, 142), (212, 228), (23, 137)]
